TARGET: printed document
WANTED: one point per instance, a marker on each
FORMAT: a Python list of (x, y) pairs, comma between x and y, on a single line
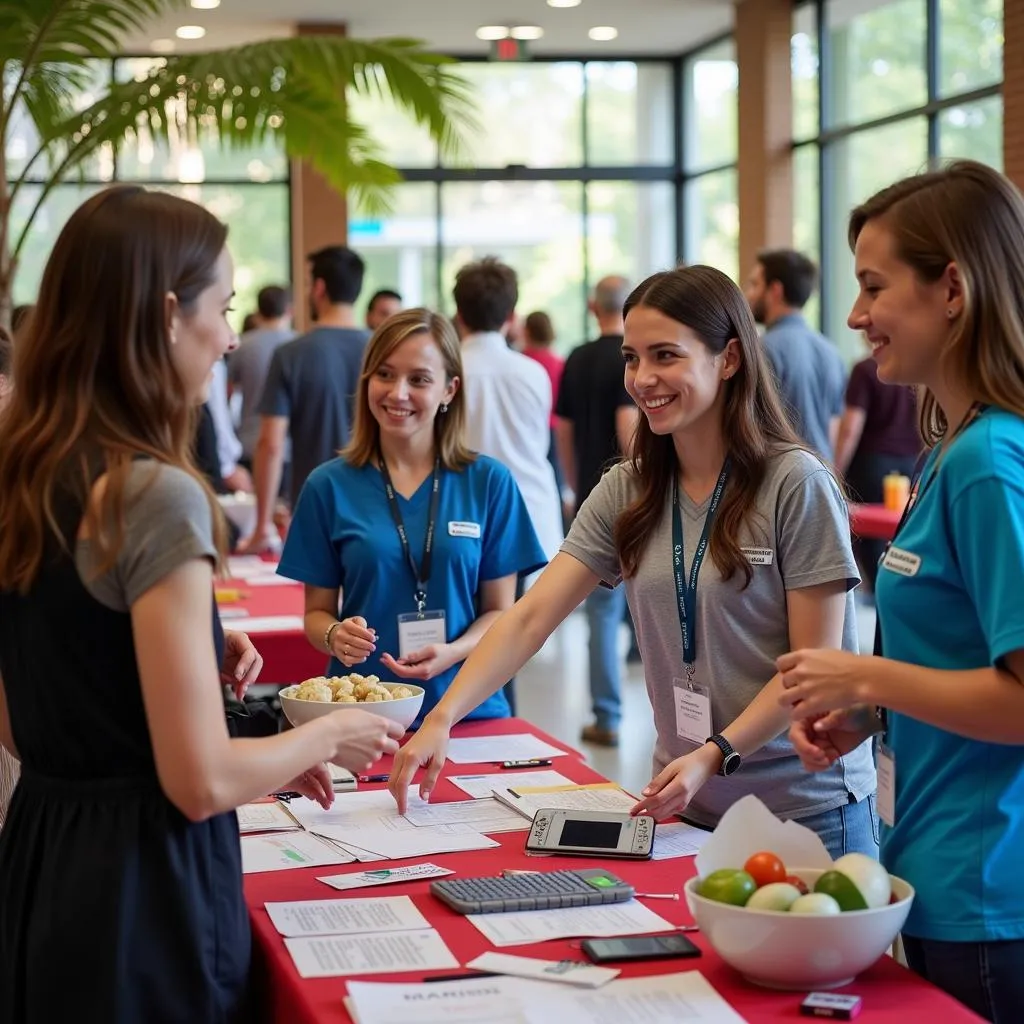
[(289, 850), (493, 749), (337, 955), (346, 916), (602, 796), (481, 786), (677, 839), (266, 816), (483, 815)]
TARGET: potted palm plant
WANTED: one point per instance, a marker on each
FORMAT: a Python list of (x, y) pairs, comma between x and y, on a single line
[(293, 89)]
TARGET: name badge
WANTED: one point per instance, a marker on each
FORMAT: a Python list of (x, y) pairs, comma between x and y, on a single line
[(886, 798), (693, 712), (905, 563), (464, 530), (416, 631), (759, 556)]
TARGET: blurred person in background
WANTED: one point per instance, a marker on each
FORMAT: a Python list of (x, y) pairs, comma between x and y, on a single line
[(383, 303), (878, 435)]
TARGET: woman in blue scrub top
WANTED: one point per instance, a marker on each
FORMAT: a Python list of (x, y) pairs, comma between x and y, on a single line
[(940, 260), (409, 544)]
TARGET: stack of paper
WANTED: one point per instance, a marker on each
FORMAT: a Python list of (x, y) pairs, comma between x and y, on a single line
[(483, 815), (291, 850), (480, 787), (601, 796), (677, 839), (265, 816)]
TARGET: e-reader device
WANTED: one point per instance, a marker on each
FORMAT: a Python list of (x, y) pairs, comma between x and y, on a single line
[(592, 834)]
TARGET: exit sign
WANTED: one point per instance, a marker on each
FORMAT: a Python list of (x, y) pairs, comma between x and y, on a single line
[(509, 49)]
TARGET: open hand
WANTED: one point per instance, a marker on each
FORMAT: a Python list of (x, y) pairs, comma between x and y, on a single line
[(672, 789), (425, 663), (242, 662)]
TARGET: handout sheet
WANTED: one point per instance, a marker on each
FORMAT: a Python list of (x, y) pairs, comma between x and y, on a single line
[(677, 839), (282, 851), (520, 746), (482, 815), (480, 787), (346, 916), (265, 816), (392, 953), (601, 796)]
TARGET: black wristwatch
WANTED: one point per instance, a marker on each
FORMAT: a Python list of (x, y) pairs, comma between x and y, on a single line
[(730, 759)]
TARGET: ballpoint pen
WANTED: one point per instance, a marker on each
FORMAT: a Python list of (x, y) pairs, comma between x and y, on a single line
[(374, 778)]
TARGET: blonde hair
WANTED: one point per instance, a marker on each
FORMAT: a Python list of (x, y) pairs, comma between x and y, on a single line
[(449, 427), (971, 215)]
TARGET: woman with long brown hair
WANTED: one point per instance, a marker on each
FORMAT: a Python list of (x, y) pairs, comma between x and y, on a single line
[(120, 868), (940, 261), (715, 470)]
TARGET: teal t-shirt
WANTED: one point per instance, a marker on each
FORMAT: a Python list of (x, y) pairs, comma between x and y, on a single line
[(342, 535), (955, 601)]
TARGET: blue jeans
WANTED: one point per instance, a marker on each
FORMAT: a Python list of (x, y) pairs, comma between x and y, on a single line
[(987, 977), (605, 609), (852, 828)]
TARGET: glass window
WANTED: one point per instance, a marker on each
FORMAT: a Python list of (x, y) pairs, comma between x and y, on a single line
[(712, 221), (710, 107), (804, 60), (629, 114), (536, 227), (630, 229), (140, 158), (806, 215), (403, 142), (877, 58), (970, 44), (974, 130), (527, 114), (860, 165), (400, 248)]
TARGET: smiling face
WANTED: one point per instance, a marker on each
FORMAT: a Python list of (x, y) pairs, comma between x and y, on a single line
[(907, 321), (408, 388), (201, 336), (673, 377)]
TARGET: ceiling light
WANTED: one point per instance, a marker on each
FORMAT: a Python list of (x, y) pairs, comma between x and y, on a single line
[(603, 33), (190, 32), (162, 46), (564, 3), (492, 32), (205, 5), (527, 31)]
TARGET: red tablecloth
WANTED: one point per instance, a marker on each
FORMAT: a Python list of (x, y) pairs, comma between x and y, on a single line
[(891, 994), (288, 657), (874, 521)]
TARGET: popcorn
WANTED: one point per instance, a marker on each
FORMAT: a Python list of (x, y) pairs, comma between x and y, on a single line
[(351, 689)]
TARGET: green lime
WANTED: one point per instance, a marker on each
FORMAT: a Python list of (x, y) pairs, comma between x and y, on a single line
[(727, 885), (842, 890)]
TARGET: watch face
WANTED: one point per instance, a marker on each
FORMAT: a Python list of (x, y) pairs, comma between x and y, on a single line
[(730, 764)]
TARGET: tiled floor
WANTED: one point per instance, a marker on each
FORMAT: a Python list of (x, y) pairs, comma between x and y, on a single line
[(552, 692)]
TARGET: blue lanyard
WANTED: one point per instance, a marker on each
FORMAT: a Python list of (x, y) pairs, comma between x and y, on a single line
[(686, 592)]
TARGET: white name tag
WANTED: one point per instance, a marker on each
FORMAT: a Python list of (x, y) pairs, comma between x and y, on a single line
[(886, 798), (906, 563), (464, 530), (759, 556), (418, 631), (693, 712)]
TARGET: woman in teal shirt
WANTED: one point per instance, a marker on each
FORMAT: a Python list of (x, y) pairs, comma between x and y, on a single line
[(940, 261)]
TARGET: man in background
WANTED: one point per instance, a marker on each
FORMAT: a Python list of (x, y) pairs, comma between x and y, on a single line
[(595, 421), (810, 372), (310, 389), (383, 304), (249, 364)]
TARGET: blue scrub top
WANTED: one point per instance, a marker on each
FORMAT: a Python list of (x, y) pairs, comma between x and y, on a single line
[(959, 832), (342, 535)]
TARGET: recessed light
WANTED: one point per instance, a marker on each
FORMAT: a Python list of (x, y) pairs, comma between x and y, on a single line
[(190, 32), (603, 33), (492, 32), (527, 31), (162, 46), (564, 3), (204, 5)]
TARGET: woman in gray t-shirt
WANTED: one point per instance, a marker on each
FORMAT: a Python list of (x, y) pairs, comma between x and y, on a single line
[(734, 545)]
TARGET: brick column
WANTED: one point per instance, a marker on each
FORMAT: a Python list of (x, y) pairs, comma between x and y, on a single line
[(319, 212), (1013, 90), (763, 32)]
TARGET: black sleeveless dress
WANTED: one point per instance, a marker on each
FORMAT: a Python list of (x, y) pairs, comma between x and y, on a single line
[(114, 907)]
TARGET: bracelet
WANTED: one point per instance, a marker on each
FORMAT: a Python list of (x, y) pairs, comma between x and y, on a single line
[(328, 633)]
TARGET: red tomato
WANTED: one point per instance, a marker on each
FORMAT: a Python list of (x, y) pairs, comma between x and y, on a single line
[(798, 882), (765, 868)]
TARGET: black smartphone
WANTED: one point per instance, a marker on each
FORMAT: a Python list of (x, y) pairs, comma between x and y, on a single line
[(638, 947)]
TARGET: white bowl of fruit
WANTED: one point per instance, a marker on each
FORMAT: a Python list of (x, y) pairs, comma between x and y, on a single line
[(800, 928), (401, 702)]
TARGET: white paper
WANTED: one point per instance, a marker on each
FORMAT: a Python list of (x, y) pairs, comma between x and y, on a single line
[(268, 624), (482, 815), (686, 998), (293, 850), (520, 927), (492, 749), (346, 916), (392, 953), (567, 972), (386, 876), (677, 839), (265, 817), (266, 580), (473, 1001), (581, 798), (748, 827), (240, 566), (417, 842), (480, 787)]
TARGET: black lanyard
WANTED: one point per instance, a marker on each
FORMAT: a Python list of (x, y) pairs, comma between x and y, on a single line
[(686, 591), (420, 574)]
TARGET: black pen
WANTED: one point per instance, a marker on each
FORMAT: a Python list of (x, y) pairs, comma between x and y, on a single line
[(463, 977), (374, 778)]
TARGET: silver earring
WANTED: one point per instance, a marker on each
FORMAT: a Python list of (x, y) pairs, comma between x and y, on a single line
[(444, 407)]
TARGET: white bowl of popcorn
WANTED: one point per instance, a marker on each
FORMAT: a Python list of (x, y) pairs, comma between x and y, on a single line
[(401, 702)]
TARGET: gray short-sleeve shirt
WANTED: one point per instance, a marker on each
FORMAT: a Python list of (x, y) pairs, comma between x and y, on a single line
[(167, 523), (801, 534)]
